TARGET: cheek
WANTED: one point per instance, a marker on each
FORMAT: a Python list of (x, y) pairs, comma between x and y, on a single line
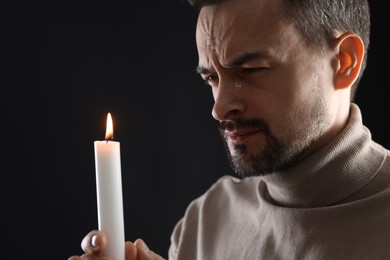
[(213, 92), (284, 112)]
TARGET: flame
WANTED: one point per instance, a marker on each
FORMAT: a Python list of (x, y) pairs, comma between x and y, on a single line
[(109, 128)]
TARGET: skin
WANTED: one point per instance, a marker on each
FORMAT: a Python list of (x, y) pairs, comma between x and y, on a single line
[(259, 67), (95, 242)]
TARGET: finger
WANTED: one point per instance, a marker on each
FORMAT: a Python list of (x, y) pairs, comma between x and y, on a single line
[(94, 242), (144, 253), (89, 257), (130, 251), (94, 257), (75, 257)]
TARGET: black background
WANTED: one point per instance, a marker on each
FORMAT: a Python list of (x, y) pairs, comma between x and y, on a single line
[(64, 66)]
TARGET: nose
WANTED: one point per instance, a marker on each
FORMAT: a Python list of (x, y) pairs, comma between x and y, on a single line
[(227, 101)]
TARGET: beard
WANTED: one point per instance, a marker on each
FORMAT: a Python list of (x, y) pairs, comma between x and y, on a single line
[(277, 154)]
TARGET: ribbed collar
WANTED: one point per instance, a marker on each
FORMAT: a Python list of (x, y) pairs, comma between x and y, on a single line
[(333, 173)]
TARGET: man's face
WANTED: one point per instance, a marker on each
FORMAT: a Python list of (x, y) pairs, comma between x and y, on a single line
[(272, 93)]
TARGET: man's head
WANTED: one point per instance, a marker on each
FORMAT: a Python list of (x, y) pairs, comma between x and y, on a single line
[(281, 77), (318, 20)]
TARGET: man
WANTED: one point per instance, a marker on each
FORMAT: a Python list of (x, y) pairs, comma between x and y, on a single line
[(314, 184)]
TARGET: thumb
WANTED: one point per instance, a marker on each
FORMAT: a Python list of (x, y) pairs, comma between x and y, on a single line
[(94, 242), (144, 253)]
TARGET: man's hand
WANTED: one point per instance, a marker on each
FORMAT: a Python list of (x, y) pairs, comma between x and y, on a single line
[(95, 242)]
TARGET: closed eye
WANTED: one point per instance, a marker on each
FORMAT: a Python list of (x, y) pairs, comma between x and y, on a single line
[(252, 69), (248, 73)]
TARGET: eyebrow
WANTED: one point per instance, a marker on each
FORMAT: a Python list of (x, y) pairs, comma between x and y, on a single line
[(239, 61)]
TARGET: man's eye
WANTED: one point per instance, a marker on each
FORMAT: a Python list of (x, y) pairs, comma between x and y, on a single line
[(210, 79), (251, 70)]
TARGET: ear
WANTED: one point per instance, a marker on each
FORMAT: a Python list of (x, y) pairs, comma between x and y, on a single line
[(350, 53)]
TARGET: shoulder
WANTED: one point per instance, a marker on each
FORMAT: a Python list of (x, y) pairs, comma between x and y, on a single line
[(230, 188), (228, 182), (224, 194), (227, 194), (224, 198), (381, 155)]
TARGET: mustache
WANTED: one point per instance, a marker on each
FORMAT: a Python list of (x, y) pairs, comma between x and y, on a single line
[(240, 123)]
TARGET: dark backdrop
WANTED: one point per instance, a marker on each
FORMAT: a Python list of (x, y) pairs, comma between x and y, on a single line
[(64, 66)]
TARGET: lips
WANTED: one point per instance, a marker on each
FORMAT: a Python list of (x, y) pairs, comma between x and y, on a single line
[(240, 135)]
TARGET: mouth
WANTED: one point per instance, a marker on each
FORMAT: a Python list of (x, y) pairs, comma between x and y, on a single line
[(240, 135)]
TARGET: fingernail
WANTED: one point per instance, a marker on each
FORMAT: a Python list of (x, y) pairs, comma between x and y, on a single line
[(94, 241), (144, 246)]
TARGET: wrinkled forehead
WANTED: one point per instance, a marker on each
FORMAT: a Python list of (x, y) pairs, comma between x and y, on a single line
[(230, 24), (216, 21)]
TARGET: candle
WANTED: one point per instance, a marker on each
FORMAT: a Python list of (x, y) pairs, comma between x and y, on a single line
[(109, 193)]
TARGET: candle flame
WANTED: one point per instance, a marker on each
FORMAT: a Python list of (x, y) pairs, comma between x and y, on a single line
[(109, 128)]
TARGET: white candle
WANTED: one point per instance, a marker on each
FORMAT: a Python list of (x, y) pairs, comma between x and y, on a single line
[(109, 193)]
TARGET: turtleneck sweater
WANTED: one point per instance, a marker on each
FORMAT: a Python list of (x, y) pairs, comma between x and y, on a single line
[(335, 204)]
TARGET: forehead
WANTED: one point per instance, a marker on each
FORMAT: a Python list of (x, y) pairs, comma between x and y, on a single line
[(235, 26)]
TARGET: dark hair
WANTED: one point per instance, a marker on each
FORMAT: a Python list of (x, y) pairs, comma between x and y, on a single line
[(317, 20)]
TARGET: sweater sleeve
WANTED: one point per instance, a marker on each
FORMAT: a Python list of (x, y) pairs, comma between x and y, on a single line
[(175, 239), (186, 235), (183, 227)]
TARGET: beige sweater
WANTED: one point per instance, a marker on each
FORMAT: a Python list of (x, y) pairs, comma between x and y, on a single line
[(333, 205)]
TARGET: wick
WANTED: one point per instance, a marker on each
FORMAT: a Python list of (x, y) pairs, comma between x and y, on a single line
[(108, 139)]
